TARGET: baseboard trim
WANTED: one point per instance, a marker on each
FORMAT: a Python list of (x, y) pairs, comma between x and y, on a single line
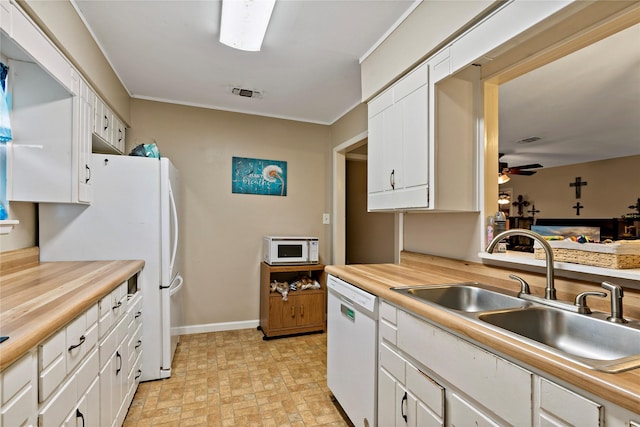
[(217, 327)]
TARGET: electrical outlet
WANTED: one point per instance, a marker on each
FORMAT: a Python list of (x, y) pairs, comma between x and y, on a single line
[(326, 218)]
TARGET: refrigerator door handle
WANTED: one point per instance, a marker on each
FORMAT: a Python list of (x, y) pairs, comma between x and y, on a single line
[(176, 285), (174, 209)]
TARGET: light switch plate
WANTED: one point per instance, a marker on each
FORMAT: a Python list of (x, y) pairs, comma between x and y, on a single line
[(326, 218)]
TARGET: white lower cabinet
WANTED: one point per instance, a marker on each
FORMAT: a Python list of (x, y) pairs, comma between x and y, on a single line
[(75, 378), (19, 392), (430, 377), (406, 395)]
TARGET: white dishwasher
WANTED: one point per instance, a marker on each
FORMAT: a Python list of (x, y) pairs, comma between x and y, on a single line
[(352, 350)]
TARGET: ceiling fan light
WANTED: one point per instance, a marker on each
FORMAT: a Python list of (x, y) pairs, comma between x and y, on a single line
[(503, 177), (243, 23)]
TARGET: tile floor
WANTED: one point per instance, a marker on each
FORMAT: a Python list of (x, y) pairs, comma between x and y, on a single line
[(235, 378)]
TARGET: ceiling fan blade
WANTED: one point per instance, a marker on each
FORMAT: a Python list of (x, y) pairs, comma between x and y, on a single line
[(515, 171), (531, 166)]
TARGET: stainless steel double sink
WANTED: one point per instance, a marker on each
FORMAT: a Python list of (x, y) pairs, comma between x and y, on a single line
[(587, 339)]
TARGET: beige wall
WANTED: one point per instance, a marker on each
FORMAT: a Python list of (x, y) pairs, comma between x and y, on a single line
[(222, 232), (61, 23), (424, 31), (348, 126), (24, 234), (612, 185), (370, 235)]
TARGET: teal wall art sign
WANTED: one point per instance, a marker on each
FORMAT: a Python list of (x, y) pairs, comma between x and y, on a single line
[(258, 176)]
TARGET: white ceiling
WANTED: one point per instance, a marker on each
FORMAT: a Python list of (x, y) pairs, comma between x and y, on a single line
[(308, 69), (583, 107)]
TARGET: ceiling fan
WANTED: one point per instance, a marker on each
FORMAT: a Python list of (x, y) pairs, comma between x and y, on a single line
[(504, 170)]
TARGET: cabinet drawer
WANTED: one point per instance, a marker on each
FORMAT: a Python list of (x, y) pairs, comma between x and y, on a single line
[(392, 362), (135, 344), (17, 377), (568, 406), (18, 392), (51, 364), (388, 313), (60, 405), (111, 308), (388, 332), (426, 390)]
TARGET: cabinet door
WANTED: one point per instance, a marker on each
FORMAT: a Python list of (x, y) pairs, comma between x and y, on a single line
[(387, 401), (282, 314), (42, 161), (415, 152), (561, 407), (310, 309), (83, 127)]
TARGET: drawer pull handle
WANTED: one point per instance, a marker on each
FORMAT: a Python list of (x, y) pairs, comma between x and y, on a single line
[(138, 314), (82, 340), (80, 415), (88, 178), (138, 344), (139, 374), (119, 358), (106, 122), (402, 406), (118, 305)]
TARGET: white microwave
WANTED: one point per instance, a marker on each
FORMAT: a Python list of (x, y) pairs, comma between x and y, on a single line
[(290, 250)]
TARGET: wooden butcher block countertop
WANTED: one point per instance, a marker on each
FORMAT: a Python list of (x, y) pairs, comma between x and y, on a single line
[(38, 299), (622, 389)]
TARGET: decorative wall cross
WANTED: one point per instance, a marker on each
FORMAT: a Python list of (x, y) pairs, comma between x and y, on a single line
[(578, 183), (520, 204), (533, 211), (577, 207)]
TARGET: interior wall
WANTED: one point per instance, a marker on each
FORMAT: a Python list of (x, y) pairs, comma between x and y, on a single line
[(612, 186), (448, 234), (24, 234), (222, 232), (370, 235)]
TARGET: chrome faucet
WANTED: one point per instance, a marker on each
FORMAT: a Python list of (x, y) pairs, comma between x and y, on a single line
[(550, 290), (616, 302)]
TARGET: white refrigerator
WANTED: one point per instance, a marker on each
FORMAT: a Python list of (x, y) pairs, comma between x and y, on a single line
[(133, 215)]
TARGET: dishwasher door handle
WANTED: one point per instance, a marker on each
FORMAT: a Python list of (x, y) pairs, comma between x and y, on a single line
[(348, 312)]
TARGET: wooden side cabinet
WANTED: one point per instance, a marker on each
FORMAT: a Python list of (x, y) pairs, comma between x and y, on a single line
[(303, 312)]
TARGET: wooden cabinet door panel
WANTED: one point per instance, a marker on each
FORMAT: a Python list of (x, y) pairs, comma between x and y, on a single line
[(282, 314)]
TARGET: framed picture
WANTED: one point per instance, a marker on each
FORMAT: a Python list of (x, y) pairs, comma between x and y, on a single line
[(258, 176)]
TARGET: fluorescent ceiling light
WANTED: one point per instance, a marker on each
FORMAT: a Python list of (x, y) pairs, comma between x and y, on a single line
[(244, 23)]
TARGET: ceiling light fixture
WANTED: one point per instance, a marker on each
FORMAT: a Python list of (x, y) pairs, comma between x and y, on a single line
[(503, 177), (243, 23)]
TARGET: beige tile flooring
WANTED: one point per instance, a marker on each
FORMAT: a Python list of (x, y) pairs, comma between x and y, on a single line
[(235, 378)]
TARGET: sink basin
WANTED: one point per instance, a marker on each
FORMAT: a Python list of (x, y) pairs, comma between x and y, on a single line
[(466, 297), (590, 341)]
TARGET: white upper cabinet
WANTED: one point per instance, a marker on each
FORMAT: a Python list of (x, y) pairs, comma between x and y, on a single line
[(398, 165), (50, 119), (423, 143), (108, 130)]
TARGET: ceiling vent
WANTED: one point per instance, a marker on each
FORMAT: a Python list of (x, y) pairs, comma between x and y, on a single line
[(528, 140), (247, 93)]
